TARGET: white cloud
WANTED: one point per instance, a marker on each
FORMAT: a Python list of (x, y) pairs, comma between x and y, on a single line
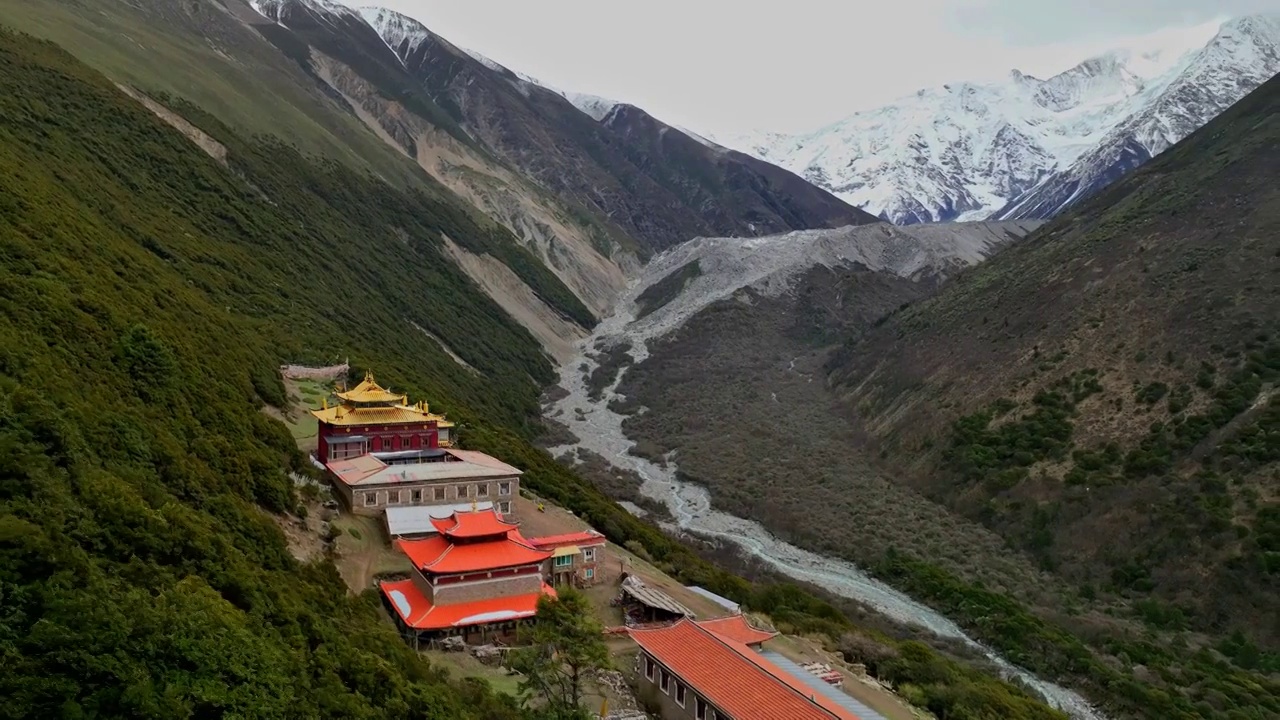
[(724, 66)]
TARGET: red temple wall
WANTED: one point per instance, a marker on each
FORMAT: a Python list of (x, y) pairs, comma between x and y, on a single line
[(382, 438)]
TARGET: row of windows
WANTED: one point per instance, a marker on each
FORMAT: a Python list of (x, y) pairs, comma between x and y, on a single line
[(379, 444), (415, 496), (588, 555), (664, 679)]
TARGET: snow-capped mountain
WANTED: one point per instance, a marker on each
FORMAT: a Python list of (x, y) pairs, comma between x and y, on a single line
[(1027, 147)]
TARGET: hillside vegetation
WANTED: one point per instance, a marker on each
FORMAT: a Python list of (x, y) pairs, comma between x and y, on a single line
[(1105, 398), (149, 293)]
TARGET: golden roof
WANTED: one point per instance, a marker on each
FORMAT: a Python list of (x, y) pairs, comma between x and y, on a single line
[(369, 391), (343, 415)]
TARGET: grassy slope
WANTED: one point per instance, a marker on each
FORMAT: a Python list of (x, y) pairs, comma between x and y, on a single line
[(199, 52), (148, 295), (1102, 396), (203, 55)]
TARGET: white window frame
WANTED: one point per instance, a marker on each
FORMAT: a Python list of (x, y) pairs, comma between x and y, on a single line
[(557, 562), (680, 690), (649, 666), (371, 499), (589, 573), (665, 683), (589, 554), (504, 508), (482, 490), (439, 493), (504, 489)]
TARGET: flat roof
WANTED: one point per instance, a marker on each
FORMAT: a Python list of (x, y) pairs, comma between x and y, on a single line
[(723, 602), (465, 465), (416, 519)]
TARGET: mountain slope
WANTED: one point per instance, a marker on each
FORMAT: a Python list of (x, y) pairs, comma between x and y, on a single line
[(1103, 396), (617, 174), (149, 290), (148, 294), (1028, 147)]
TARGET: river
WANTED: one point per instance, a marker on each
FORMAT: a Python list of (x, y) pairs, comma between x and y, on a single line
[(599, 430)]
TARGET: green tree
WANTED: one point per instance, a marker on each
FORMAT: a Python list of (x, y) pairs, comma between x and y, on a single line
[(567, 643)]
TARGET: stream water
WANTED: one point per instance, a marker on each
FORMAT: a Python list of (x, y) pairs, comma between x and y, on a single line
[(599, 430)]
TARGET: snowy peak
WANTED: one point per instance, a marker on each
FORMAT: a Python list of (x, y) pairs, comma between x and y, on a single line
[(401, 33), (594, 105), (286, 11), (967, 151)]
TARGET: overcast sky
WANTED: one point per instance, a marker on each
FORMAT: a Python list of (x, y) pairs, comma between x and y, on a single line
[(794, 65)]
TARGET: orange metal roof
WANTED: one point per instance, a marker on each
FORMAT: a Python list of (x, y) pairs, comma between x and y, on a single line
[(732, 676), (440, 555), (474, 524), (418, 613), (587, 537), (736, 628)]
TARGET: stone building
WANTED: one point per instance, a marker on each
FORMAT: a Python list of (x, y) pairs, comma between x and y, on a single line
[(440, 477), (575, 557)]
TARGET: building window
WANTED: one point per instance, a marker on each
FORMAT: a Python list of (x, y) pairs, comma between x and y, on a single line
[(482, 490), (648, 668), (680, 694), (589, 554), (504, 508), (504, 489), (417, 496), (589, 573), (666, 682), (439, 493), (564, 561), (700, 708), (370, 499), (462, 491), (401, 495)]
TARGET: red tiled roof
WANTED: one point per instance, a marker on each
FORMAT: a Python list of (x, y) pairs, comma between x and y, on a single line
[(418, 613), (587, 537), (733, 677), (736, 628), (439, 554), (474, 524)]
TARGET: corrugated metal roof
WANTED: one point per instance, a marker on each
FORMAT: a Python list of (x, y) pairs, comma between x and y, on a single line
[(723, 602), (646, 595), (416, 519), (815, 684)]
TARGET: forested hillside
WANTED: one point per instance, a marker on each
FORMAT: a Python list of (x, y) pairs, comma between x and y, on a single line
[(1104, 396), (147, 299), (149, 291)]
